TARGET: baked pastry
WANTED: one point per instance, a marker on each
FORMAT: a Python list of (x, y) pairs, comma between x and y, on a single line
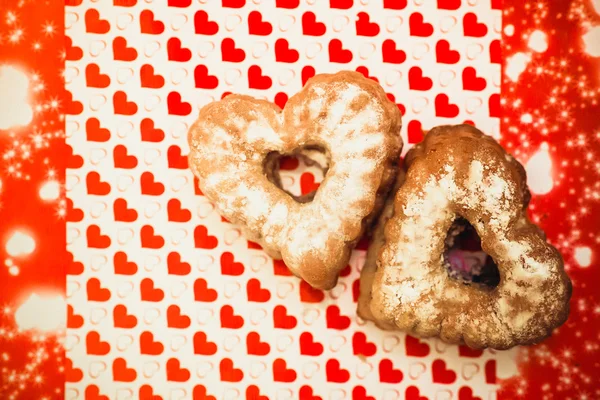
[(367, 273), (459, 172), (346, 116)]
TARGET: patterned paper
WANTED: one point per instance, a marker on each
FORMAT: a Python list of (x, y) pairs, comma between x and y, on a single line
[(166, 298)]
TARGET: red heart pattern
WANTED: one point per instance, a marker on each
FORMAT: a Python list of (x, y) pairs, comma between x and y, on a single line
[(171, 297)]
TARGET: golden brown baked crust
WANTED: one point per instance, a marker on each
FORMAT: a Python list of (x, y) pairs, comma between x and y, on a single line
[(345, 114), (367, 273), (458, 171)]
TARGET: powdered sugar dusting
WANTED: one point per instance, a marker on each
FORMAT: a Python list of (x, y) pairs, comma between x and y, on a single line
[(339, 109), (316, 106), (254, 201), (408, 280), (346, 120), (303, 239), (256, 131), (349, 147), (491, 191), (475, 173), (414, 287)]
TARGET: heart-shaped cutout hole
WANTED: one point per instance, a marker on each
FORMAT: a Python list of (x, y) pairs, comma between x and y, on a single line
[(278, 167), (464, 258), (345, 116)]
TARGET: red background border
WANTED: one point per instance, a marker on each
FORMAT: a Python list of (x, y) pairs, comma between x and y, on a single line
[(565, 366)]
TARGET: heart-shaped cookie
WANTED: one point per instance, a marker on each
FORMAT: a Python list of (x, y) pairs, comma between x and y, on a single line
[(346, 116), (458, 172), (367, 273)]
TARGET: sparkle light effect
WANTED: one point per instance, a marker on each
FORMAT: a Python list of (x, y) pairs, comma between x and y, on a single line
[(38, 356), (22, 150), (20, 244), (30, 115), (516, 64), (564, 91), (526, 118), (48, 29), (37, 137), (50, 190), (538, 41), (14, 108), (596, 5), (550, 119), (591, 41), (583, 256), (507, 365), (15, 36), (13, 269), (539, 171), (32, 363), (509, 30), (42, 313)]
